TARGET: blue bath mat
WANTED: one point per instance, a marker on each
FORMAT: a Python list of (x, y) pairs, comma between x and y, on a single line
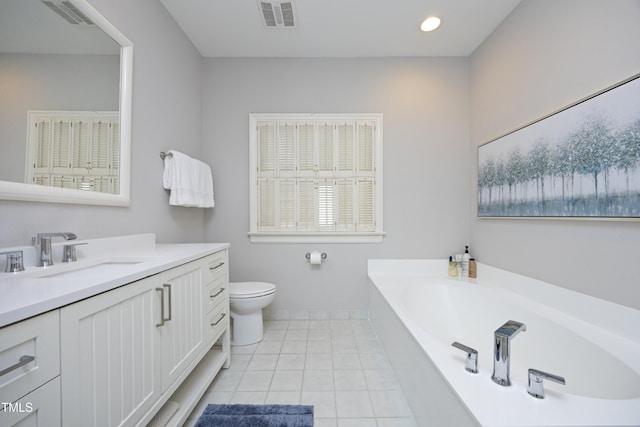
[(256, 416)]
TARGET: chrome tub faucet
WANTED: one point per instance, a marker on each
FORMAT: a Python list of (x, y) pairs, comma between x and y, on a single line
[(502, 351), (43, 243)]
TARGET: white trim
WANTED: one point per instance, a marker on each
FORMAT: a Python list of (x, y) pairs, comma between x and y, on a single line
[(265, 237)]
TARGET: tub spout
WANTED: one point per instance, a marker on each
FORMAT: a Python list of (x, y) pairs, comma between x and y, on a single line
[(501, 351)]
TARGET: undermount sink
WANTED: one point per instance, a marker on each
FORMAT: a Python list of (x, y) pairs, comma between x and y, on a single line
[(102, 266)]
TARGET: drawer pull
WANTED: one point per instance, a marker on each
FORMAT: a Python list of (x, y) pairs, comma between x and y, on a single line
[(217, 293), (23, 361), (219, 320), (216, 267)]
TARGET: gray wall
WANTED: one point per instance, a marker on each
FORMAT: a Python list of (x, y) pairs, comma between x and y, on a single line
[(545, 56), (167, 113), (426, 192), (49, 82)]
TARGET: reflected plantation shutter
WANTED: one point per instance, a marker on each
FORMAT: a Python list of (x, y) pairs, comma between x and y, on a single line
[(315, 175), (74, 149)]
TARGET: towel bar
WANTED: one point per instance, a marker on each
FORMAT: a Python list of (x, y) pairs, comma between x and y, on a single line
[(163, 155)]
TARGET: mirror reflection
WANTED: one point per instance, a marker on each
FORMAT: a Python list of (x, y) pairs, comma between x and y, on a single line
[(60, 97)]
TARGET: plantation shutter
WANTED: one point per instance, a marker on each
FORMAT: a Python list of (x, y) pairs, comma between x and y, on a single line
[(80, 145), (42, 155), (61, 156), (100, 142), (314, 176), (70, 148)]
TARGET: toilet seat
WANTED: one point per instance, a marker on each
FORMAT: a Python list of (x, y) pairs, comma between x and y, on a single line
[(241, 290)]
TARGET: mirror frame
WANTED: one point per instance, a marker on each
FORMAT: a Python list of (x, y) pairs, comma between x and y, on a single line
[(40, 193)]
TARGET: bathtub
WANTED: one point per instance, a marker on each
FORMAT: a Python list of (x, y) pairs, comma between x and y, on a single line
[(595, 345)]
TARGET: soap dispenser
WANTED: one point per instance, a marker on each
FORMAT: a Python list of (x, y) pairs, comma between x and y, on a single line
[(453, 267), (466, 256)]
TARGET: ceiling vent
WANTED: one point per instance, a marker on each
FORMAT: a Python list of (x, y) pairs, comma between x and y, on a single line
[(68, 11), (277, 14)]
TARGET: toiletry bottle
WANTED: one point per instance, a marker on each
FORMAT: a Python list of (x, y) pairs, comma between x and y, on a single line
[(472, 268), (459, 264), (453, 268), (465, 262)]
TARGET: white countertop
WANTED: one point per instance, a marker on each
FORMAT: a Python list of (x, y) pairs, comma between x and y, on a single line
[(103, 264)]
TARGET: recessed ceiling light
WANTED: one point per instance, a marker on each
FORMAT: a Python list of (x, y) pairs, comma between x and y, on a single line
[(430, 24)]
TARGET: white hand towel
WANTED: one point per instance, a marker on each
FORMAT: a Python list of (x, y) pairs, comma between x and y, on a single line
[(189, 180)]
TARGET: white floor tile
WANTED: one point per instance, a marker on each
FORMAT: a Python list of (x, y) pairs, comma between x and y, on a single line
[(317, 380), (291, 361), (286, 381), (389, 403), (283, 398), (266, 347), (351, 379), (332, 362), (353, 404), (324, 403), (249, 397), (318, 361), (263, 362), (357, 422), (255, 381)]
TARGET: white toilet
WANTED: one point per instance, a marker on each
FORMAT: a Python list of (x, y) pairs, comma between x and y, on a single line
[(246, 301)]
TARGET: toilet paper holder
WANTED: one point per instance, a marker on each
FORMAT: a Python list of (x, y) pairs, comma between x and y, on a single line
[(322, 255)]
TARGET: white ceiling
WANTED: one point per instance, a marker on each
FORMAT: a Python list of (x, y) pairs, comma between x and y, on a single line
[(340, 28)]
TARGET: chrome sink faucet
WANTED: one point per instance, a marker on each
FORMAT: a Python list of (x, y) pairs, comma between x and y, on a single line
[(43, 242), (502, 351)]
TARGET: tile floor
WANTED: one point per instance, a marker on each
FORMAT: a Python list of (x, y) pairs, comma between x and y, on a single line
[(338, 366)]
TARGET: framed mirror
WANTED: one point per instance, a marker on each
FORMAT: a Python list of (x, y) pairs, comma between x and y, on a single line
[(61, 58)]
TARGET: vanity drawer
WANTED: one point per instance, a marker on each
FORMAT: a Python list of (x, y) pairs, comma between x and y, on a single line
[(29, 355), (216, 266), (215, 293), (40, 408), (217, 322)]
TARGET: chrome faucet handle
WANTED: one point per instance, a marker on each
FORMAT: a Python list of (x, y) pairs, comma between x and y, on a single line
[(471, 364), (535, 387), (69, 252), (14, 261), (43, 241)]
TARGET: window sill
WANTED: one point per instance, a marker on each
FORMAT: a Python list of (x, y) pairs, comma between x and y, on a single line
[(375, 237)]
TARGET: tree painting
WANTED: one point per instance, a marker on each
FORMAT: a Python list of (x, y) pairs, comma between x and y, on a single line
[(583, 161)]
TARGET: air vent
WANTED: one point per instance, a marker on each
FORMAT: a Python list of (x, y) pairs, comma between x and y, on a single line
[(277, 14), (68, 11)]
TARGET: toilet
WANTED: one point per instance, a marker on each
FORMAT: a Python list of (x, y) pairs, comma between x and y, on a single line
[(246, 301)]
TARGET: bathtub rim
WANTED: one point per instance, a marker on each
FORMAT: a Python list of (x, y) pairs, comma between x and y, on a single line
[(382, 271)]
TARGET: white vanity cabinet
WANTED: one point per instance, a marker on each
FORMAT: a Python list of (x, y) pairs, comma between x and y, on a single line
[(29, 364), (126, 352)]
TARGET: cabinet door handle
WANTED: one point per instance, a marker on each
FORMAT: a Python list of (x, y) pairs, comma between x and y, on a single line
[(219, 320), (21, 362), (161, 290), (168, 286), (217, 293), (216, 267)]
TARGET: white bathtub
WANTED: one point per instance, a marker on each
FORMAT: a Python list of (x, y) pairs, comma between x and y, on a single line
[(593, 344)]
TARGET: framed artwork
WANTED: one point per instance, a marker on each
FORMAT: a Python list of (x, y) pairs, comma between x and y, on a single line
[(582, 161)]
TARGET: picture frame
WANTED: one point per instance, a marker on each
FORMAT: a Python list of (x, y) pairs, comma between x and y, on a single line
[(582, 161)]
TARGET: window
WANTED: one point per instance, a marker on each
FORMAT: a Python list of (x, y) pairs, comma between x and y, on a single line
[(316, 178), (74, 149)]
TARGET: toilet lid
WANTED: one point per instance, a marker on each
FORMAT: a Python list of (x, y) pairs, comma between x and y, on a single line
[(250, 289)]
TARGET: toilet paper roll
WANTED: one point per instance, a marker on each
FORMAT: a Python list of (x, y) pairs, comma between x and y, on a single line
[(315, 258)]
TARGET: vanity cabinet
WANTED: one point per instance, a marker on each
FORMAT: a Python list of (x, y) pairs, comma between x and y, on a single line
[(129, 350), (29, 364)]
